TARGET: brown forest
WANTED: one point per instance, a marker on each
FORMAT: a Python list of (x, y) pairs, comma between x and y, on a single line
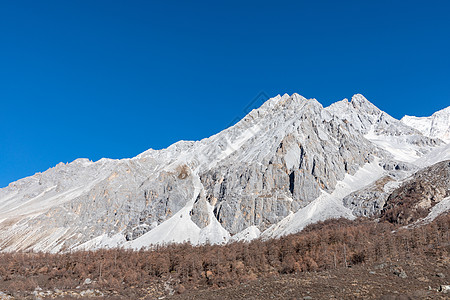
[(326, 245)]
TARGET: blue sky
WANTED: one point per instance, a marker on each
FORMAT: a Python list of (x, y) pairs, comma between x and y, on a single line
[(114, 78)]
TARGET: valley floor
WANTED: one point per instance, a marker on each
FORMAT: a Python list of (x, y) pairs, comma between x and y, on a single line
[(384, 281), (378, 281)]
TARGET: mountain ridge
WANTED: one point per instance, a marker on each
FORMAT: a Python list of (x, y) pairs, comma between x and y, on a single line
[(281, 159), (436, 125)]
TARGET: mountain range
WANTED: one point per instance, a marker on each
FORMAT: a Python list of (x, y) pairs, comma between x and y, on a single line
[(287, 164)]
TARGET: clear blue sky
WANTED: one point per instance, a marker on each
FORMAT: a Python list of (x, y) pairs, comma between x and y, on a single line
[(114, 78)]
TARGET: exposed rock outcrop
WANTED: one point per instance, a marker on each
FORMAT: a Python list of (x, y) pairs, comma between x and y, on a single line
[(414, 198)]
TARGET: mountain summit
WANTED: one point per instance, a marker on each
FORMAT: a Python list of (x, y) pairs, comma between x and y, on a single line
[(287, 164)]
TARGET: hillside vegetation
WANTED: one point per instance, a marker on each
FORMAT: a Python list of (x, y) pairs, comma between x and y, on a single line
[(179, 269)]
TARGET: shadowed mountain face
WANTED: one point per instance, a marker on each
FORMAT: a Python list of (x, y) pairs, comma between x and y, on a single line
[(286, 164)]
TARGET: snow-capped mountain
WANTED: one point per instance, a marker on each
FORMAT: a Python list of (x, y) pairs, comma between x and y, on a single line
[(288, 163), (436, 126)]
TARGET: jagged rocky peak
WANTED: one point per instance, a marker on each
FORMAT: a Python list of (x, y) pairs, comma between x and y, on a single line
[(360, 103), (294, 101), (367, 118), (279, 103), (298, 151), (435, 126)]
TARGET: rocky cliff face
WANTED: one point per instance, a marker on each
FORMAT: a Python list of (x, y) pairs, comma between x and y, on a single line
[(310, 154), (282, 160)]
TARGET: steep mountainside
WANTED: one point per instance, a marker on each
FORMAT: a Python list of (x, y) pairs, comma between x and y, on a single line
[(416, 196), (286, 164)]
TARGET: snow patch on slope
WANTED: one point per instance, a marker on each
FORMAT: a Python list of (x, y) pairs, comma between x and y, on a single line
[(442, 207), (439, 154), (180, 228), (213, 233), (248, 234), (398, 146), (101, 242)]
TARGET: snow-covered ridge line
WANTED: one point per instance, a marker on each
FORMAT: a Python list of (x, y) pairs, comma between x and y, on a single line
[(437, 125)]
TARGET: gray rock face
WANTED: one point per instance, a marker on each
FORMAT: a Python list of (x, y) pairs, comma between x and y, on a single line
[(369, 201), (395, 197), (316, 151), (199, 213), (159, 199), (280, 158)]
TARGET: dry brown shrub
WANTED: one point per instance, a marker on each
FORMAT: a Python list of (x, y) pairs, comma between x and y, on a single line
[(325, 245)]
